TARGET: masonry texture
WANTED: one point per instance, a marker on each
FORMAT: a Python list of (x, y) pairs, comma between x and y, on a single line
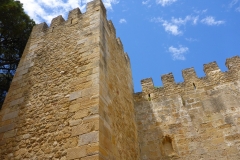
[(196, 119), (72, 98)]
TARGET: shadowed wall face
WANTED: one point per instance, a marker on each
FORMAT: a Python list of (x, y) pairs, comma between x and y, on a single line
[(196, 119), (118, 132)]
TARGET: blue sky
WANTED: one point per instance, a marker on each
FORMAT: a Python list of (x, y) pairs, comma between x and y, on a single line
[(163, 36)]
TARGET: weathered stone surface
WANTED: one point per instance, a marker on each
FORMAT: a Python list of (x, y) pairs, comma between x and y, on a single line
[(17, 101), (75, 122), (94, 157), (72, 98), (186, 121), (9, 134), (75, 95), (77, 152), (74, 107), (6, 128), (81, 113), (10, 115), (88, 138), (81, 129)]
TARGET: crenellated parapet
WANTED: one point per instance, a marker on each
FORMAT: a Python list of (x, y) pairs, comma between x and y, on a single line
[(75, 16), (233, 64), (75, 13), (214, 76), (112, 28), (57, 21)]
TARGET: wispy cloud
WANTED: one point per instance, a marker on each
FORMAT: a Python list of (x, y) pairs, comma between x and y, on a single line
[(168, 26), (174, 24), (238, 9), (191, 39), (201, 11), (180, 21), (178, 53), (211, 21), (232, 3), (165, 2), (122, 21), (145, 2), (46, 10)]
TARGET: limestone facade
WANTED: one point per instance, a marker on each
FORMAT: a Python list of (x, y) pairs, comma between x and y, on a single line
[(196, 119), (72, 98)]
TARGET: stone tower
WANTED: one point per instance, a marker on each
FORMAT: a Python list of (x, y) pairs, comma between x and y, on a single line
[(66, 100)]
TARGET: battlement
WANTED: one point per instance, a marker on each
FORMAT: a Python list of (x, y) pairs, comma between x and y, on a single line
[(75, 16), (214, 76)]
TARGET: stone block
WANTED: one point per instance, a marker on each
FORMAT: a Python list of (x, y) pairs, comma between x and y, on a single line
[(74, 107), (88, 138), (94, 157), (81, 129), (17, 101), (26, 136), (81, 113), (21, 151), (75, 95), (93, 149), (91, 118), (7, 128), (77, 152), (10, 115), (75, 122), (10, 134)]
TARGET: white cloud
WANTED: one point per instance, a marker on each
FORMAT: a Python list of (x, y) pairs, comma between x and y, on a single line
[(122, 20), (165, 2), (195, 20), (180, 21), (46, 10), (145, 2), (211, 21), (178, 53), (171, 28), (174, 24), (168, 26)]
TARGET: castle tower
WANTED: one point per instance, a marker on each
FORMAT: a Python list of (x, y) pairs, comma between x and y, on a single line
[(72, 94)]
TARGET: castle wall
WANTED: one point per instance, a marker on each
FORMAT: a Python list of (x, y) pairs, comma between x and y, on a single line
[(118, 132), (51, 109), (196, 119), (72, 98)]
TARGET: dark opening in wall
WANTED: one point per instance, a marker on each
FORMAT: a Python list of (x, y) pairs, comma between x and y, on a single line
[(167, 146), (149, 97), (194, 86)]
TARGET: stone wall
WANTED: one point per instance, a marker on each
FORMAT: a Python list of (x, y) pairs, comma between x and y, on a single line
[(72, 98), (118, 132), (196, 119), (51, 110)]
